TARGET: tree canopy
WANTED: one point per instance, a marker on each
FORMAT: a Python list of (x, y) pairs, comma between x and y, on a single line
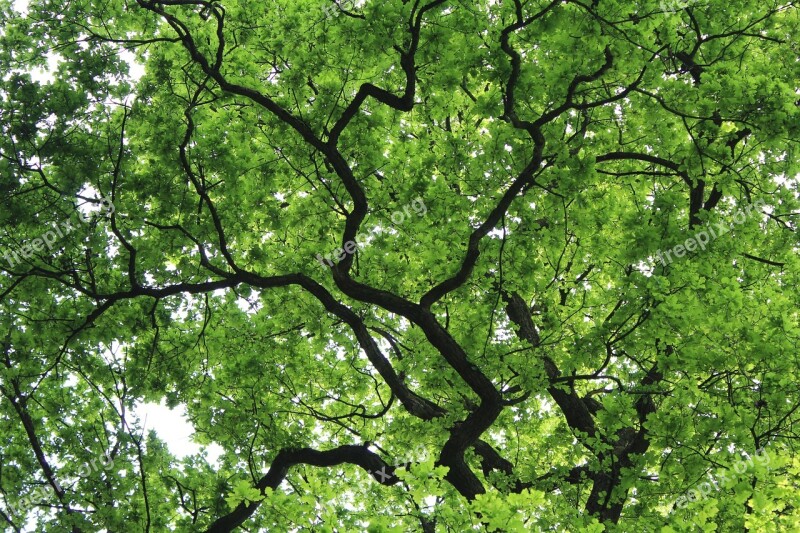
[(418, 265)]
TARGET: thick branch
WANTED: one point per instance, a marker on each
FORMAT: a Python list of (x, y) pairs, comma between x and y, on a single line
[(287, 458)]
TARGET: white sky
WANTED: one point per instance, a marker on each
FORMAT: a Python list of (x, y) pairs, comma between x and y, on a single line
[(173, 427)]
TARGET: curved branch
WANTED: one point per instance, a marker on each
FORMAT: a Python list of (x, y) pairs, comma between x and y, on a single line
[(287, 458), (400, 103)]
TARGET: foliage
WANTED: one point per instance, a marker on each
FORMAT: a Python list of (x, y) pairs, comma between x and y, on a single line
[(521, 345)]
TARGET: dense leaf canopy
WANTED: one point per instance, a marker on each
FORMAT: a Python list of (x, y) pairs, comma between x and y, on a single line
[(418, 265)]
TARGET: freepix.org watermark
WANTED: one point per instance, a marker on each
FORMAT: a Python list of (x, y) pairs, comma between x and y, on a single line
[(58, 231), (42, 492), (702, 238), (727, 477), (397, 218), (333, 10), (382, 475)]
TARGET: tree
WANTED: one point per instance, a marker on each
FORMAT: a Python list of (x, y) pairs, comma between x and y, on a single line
[(425, 265)]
